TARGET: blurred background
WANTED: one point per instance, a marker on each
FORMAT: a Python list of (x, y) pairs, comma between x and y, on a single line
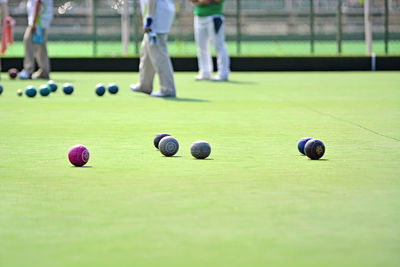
[(89, 28)]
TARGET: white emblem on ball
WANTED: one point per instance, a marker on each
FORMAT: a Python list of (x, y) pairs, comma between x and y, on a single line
[(85, 155)]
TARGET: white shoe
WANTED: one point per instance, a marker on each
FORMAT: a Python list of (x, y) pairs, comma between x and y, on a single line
[(202, 77), (40, 75), (24, 75), (218, 78), (160, 94), (135, 88)]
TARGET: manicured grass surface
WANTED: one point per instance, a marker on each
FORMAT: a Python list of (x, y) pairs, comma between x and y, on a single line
[(255, 202), (248, 48)]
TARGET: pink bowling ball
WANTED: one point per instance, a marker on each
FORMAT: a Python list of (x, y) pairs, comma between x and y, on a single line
[(78, 155)]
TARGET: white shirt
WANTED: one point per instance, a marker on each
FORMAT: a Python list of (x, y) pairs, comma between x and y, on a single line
[(45, 15), (163, 16), (3, 1)]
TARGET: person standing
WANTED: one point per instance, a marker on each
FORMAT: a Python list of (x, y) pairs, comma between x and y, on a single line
[(158, 16), (40, 15), (209, 27)]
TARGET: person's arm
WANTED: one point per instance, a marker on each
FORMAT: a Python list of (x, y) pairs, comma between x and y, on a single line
[(36, 14), (150, 14)]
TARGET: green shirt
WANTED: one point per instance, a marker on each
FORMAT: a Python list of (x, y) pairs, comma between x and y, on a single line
[(209, 10)]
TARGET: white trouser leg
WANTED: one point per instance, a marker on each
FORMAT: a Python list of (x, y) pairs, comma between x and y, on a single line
[(29, 59), (42, 57), (218, 40), (202, 37), (146, 69), (162, 64)]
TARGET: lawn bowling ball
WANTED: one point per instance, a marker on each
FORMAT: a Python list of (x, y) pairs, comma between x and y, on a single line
[(200, 149), (168, 146), (19, 92), (302, 143), (100, 89), (158, 137), (314, 149), (44, 90), (30, 91), (68, 88), (52, 85), (78, 155), (1, 89), (112, 88), (13, 73)]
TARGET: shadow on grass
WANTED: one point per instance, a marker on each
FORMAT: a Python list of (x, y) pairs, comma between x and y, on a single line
[(229, 81), (304, 156), (183, 99), (240, 82), (78, 167), (203, 159)]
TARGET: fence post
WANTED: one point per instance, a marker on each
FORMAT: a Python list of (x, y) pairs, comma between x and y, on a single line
[(312, 34), (368, 26), (94, 11), (386, 27), (238, 28), (125, 28), (339, 27), (136, 26)]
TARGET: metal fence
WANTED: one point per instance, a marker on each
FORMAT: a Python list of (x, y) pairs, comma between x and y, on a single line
[(253, 27)]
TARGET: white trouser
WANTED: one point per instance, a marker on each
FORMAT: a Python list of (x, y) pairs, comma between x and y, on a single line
[(204, 32), (38, 51), (155, 59)]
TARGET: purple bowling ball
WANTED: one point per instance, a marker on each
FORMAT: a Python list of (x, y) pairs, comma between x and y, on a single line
[(78, 155)]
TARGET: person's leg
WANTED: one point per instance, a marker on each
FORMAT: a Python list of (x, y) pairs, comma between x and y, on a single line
[(29, 59), (146, 69), (161, 61), (202, 38), (42, 59), (218, 39)]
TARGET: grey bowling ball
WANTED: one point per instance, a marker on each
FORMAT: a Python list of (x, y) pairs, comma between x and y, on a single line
[(168, 146), (158, 138), (200, 149)]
